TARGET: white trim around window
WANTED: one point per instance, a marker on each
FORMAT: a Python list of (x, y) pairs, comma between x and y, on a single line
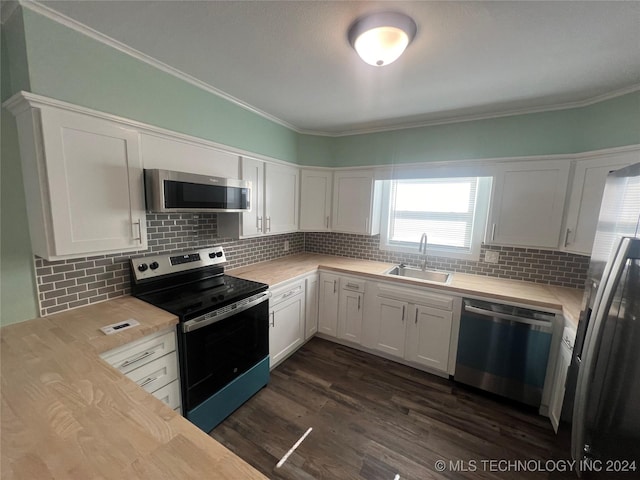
[(455, 226)]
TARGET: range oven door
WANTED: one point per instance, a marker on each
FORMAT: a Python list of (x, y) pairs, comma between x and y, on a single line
[(213, 355)]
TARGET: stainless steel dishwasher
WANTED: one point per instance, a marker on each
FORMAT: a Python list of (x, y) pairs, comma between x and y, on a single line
[(504, 349)]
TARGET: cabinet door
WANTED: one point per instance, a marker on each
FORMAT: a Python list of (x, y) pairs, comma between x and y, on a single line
[(281, 199), (328, 304), (528, 203), (586, 195), (253, 221), (315, 200), (429, 337), (350, 315), (392, 326), (559, 380), (311, 317), (356, 203), (94, 178), (286, 332)]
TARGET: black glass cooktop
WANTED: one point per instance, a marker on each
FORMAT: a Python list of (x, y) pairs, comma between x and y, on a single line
[(194, 299)]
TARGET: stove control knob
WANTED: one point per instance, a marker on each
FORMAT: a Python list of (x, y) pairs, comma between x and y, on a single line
[(153, 265), (219, 254), (142, 267)]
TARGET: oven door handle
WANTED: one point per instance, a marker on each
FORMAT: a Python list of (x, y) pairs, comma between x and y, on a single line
[(208, 319)]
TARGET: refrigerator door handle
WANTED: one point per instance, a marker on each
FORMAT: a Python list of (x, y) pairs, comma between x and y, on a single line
[(604, 298)]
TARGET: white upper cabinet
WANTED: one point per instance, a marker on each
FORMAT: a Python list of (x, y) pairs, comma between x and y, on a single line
[(83, 183), (252, 222), (527, 204), (356, 202), (274, 201), (168, 153), (281, 198), (583, 210), (315, 200)]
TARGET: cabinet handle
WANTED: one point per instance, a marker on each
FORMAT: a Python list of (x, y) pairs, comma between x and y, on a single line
[(259, 223), (334, 286), (126, 363), (493, 232), (403, 307), (139, 237), (416, 315), (327, 222), (273, 319), (268, 224), (359, 297), (148, 381), (353, 285), (566, 237), (288, 294)]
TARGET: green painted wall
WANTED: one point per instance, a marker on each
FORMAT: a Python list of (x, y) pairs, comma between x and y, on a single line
[(17, 283), (69, 66), (606, 124)]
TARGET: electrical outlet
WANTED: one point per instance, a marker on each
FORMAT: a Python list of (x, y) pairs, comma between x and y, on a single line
[(491, 257), (286, 245)]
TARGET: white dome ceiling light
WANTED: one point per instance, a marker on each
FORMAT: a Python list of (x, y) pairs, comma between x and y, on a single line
[(381, 38)]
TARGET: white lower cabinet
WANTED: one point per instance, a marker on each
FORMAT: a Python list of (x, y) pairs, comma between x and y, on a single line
[(560, 377), (350, 309), (391, 326), (413, 325), (152, 363), (429, 337), (328, 304), (286, 321), (312, 283)]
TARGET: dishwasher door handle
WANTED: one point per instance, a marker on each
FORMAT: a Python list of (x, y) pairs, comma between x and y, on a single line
[(544, 325)]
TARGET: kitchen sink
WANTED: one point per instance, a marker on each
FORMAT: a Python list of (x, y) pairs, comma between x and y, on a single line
[(433, 276)]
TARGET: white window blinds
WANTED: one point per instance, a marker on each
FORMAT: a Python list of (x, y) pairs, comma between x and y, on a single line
[(443, 208)]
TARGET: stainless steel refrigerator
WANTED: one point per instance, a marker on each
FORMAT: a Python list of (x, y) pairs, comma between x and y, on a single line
[(605, 368)]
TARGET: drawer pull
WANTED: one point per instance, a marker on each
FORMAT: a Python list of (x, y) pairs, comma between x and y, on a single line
[(353, 285), (131, 361), (334, 286), (416, 315), (403, 313), (148, 381), (359, 297)]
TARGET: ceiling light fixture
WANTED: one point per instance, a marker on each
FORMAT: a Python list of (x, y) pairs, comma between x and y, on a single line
[(381, 38)]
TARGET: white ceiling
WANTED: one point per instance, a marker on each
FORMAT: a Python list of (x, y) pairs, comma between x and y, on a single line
[(292, 60)]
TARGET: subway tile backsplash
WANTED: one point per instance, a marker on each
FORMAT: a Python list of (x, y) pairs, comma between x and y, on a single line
[(529, 264), (66, 284)]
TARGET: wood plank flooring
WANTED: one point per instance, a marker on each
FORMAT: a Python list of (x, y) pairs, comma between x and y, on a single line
[(373, 419)]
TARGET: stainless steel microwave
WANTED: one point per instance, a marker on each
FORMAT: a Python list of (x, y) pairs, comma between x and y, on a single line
[(169, 191)]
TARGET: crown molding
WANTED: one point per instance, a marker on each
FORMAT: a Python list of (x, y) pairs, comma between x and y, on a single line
[(123, 48), (481, 116), (143, 57)]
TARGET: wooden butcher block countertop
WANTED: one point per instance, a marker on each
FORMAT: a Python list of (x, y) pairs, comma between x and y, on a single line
[(563, 299), (66, 414)]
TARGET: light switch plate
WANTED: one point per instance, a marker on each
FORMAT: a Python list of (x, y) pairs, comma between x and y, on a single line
[(118, 327), (491, 256)]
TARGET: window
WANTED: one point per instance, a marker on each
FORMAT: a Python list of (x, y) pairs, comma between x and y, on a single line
[(451, 211)]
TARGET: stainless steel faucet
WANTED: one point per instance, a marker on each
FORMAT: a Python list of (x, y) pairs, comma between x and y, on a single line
[(422, 248)]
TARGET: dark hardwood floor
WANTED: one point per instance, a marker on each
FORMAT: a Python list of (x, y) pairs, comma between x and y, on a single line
[(375, 419)]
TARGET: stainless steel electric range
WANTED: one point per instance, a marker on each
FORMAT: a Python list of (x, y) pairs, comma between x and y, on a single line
[(223, 333)]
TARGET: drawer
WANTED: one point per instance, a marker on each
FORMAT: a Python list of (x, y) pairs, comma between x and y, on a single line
[(416, 296), (156, 374), (279, 294), (135, 354), (169, 394), (352, 285)]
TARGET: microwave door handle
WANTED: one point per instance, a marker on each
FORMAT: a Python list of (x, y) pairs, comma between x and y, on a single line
[(602, 305)]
